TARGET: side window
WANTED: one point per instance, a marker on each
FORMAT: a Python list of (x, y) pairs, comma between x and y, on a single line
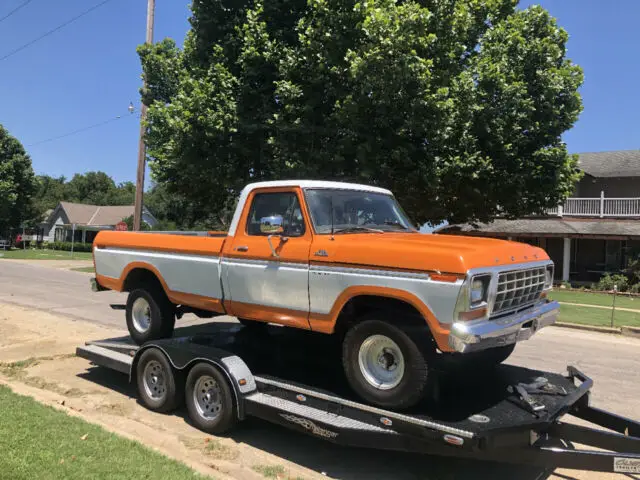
[(284, 204)]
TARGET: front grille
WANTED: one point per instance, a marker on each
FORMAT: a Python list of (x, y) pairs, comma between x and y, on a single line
[(518, 288)]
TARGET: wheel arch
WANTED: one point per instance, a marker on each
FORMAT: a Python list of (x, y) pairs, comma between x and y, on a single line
[(140, 273), (356, 302)]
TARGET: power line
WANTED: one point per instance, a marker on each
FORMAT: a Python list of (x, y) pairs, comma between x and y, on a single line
[(59, 27), (83, 129), (15, 10)]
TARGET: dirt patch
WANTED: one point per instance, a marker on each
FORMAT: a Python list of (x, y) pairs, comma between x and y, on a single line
[(37, 359)]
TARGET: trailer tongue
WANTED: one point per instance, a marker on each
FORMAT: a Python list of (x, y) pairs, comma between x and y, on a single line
[(514, 415)]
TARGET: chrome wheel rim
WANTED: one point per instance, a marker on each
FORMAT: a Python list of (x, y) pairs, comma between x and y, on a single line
[(141, 315), (207, 397), (154, 380), (381, 362)]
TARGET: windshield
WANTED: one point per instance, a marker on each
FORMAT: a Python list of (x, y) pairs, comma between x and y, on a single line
[(355, 211)]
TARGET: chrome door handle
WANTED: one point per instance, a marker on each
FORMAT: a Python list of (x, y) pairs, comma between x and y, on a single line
[(242, 249)]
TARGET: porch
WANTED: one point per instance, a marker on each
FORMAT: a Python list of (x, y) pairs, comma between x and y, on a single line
[(78, 233), (585, 260)]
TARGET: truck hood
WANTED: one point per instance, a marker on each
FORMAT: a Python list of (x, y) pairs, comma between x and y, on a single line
[(424, 252)]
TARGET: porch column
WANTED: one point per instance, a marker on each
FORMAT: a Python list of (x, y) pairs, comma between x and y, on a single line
[(566, 259), (84, 235)]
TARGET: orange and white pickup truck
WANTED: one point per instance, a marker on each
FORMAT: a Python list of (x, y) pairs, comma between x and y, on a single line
[(340, 259)]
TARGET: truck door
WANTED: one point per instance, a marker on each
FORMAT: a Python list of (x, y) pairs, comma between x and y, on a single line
[(267, 267)]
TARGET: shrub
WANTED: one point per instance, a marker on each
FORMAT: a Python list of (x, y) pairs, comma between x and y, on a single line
[(66, 246), (635, 288), (607, 283)]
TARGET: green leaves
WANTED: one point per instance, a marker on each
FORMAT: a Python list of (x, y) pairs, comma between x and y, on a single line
[(458, 106), (17, 183)]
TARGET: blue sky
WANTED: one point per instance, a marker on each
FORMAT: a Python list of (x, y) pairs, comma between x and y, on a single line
[(88, 72)]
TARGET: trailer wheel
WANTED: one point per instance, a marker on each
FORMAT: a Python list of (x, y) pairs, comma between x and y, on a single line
[(384, 363), (209, 399), (150, 315), (157, 382)]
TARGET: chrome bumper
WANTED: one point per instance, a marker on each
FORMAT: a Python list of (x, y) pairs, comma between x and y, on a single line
[(471, 337)]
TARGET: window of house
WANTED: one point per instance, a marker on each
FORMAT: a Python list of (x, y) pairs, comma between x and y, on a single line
[(284, 204)]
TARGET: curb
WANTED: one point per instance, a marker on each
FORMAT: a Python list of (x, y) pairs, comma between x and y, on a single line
[(592, 328), (631, 331)]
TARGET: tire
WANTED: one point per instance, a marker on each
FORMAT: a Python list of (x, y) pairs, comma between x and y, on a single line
[(216, 413), (150, 315), (406, 347), (158, 383)]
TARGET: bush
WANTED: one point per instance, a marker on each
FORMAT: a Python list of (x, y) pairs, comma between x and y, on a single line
[(66, 246), (635, 288), (607, 283)]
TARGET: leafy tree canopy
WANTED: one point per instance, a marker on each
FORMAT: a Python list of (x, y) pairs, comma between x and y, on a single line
[(17, 183), (458, 106)]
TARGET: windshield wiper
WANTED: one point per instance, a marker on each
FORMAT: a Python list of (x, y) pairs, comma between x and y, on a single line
[(396, 224), (358, 229)]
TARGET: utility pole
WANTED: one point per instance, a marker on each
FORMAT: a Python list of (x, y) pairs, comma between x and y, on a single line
[(137, 212)]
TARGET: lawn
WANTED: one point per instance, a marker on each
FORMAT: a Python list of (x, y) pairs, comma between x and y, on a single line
[(31, 254), (598, 316), (84, 269), (602, 299), (39, 442)]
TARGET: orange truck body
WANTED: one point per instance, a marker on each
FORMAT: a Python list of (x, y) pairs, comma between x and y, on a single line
[(260, 278)]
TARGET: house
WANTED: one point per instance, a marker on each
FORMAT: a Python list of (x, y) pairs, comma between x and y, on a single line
[(596, 231), (81, 222)]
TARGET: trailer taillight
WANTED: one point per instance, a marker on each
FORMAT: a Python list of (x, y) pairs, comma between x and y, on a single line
[(453, 440)]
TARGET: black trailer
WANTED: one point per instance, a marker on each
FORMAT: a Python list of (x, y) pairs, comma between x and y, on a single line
[(513, 414)]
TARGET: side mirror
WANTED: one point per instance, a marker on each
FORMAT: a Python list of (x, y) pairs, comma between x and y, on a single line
[(272, 225)]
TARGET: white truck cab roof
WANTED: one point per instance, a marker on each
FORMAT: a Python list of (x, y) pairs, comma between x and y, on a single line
[(297, 183)]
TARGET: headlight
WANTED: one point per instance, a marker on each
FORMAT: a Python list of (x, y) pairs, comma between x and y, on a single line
[(479, 289), (548, 277)]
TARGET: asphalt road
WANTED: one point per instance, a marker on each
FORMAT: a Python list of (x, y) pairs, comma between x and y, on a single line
[(612, 361)]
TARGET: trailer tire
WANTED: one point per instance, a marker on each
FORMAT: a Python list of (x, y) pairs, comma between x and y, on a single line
[(150, 315), (158, 383), (209, 399), (372, 348)]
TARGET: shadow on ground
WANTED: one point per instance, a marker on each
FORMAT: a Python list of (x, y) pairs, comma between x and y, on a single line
[(315, 454)]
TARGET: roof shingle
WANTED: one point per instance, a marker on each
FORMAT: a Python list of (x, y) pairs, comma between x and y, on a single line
[(622, 163)]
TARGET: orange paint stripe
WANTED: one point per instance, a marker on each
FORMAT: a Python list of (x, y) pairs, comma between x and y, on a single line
[(449, 277)]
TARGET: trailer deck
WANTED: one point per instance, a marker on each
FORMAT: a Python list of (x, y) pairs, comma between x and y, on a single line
[(498, 417)]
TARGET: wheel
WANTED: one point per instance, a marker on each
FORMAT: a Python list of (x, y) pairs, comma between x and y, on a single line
[(252, 323), (150, 315), (157, 382), (384, 363), (209, 399)]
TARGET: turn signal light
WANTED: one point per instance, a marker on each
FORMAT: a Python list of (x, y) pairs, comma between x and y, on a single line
[(472, 315)]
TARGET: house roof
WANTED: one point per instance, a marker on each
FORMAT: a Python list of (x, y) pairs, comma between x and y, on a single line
[(622, 163), (550, 226), (82, 214)]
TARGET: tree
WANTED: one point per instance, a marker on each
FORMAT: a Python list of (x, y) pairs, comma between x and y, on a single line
[(458, 106), (17, 183)]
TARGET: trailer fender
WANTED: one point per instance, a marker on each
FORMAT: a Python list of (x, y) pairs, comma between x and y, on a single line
[(233, 367)]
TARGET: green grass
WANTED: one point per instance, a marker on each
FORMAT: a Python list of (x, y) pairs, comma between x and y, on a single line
[(31, 254), (602, 299), (37, 441), (84, 269), (598, 316)]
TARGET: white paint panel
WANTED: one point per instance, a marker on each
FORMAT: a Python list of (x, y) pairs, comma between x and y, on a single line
[(196, 274), (269, 283), (327, 283)]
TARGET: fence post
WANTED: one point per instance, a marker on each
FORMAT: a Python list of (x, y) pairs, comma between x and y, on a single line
[(613, 309), (560, 207), (601, 203)]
